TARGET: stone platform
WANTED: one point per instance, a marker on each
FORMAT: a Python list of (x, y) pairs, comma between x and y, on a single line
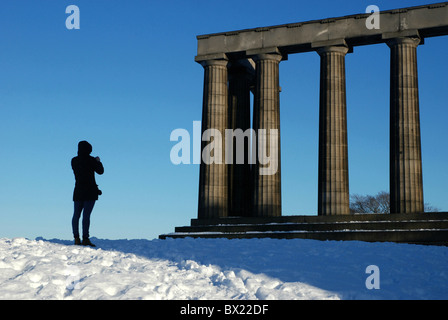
[(420, 228)]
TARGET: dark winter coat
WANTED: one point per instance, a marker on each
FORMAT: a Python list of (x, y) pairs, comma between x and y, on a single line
[(84, 167)]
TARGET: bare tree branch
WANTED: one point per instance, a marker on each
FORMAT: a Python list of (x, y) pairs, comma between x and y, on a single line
[(380, 203)]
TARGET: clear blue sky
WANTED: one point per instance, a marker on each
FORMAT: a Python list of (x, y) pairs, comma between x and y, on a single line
[(127, 78)]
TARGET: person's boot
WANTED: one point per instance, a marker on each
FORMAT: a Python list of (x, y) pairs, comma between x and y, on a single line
[(77, 241), (86, 242)]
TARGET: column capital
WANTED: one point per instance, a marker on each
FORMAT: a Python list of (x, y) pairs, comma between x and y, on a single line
[(411, 37), (214, 62), (336, 45), (266, 54), (336, 49), (212, 59), (414, 41)]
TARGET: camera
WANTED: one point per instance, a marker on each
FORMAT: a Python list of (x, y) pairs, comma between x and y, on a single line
[(99, 192)]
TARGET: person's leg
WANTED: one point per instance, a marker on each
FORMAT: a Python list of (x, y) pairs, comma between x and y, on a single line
[(78, 206), (88, 207)]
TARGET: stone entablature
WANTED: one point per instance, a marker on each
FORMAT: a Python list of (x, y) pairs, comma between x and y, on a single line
[(426, 21)]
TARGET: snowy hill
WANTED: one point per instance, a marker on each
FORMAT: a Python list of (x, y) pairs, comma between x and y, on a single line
[(246, 269)]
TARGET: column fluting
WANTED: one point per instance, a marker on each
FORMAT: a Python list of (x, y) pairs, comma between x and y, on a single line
[(213, 177), (333, 180), (266, 175), (406, 181)]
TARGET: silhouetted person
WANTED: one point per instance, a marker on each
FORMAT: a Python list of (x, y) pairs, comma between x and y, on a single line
[(86, 190)]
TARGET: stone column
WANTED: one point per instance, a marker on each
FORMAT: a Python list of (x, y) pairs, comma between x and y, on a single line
[(240, 191), (406, 182), (213, 179), (267, 200), (333, 191)]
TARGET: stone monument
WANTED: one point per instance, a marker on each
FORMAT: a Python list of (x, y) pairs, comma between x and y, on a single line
[(237, 63)]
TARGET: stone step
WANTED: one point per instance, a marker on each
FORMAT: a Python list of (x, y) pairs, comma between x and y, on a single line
[(334, 218), (319, 226), (427, 237), (421, 228)]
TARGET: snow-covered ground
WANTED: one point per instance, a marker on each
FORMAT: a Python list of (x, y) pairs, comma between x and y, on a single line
[(220, 269)]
